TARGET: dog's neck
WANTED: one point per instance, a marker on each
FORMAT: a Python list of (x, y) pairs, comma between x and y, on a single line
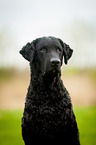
[(46, 88), (42, 78), (44, 82)]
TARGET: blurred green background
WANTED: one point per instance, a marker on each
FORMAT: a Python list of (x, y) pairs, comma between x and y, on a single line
[(72, 21)]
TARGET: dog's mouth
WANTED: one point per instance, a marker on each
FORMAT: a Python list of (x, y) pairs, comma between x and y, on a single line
[(49, 75), (54, 72)]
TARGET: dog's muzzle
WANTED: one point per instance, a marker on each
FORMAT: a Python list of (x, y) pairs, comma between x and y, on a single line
[(55, 62)]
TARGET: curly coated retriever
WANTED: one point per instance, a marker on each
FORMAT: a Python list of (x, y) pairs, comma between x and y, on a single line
[(48, 115)]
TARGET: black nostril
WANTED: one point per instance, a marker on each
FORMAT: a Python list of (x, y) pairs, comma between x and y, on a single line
[(55, 61)]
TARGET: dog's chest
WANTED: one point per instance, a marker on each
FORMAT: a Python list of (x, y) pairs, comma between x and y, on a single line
[(47, 108), (47, 111)]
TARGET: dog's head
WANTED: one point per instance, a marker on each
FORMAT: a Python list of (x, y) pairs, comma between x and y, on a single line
[(46, 54)]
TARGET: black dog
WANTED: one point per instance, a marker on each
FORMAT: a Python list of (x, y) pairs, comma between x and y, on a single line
[(48, 115)]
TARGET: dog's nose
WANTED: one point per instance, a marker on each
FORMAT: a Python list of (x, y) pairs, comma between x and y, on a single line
[(55, 61)]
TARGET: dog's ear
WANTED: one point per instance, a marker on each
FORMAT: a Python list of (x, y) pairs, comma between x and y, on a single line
[(28, 51), (67, 51)]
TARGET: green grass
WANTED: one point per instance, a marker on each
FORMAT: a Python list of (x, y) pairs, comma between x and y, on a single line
[(10, 126), (86, 118)]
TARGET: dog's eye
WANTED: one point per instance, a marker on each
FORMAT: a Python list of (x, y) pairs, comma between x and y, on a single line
[(43, 49), (58, 50)]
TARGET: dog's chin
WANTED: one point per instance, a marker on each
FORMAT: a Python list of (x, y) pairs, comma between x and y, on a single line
[(51, 74)]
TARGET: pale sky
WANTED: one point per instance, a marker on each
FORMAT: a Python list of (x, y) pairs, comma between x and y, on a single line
[(26, 20)]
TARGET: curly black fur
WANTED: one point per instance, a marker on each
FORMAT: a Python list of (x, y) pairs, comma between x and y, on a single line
[(48, 115)]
